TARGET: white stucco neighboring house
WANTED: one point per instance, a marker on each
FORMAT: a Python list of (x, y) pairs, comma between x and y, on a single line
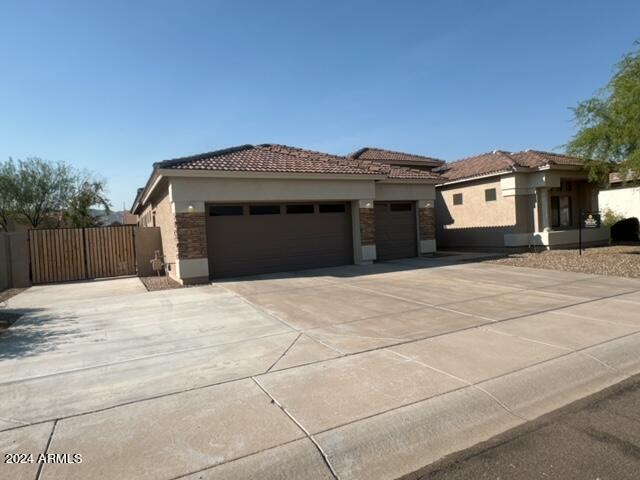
[(621, 198)]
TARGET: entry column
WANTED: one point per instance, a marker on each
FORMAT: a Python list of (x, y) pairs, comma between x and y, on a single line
[(192, 263), (541, 218), (364, 231), (426, 226)]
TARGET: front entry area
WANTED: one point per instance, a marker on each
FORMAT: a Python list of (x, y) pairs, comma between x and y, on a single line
[(396, 234), (250, 239)]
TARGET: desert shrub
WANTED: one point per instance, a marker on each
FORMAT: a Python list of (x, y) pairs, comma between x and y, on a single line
[(610, 218), (626, 230)]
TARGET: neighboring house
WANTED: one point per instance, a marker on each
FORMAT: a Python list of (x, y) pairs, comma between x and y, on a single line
[(267, 208), (621, 197), (502, 199), (397, 158)]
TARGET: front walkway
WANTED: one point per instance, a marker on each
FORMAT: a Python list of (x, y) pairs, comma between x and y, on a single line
[(352, 372)]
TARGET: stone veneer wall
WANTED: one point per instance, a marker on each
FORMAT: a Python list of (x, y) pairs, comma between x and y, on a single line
[(427, 223), (367, 226), (191, 235)]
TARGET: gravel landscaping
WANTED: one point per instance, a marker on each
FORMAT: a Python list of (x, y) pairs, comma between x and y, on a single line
[(159, 283), (619, 260)]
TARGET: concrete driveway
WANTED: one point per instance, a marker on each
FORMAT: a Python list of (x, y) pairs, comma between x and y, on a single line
[(351, 372)]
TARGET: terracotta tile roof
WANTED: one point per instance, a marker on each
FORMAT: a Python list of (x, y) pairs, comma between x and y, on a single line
[(380, 155), (537, 158), (618, 177), (500, 161), (284, 159)]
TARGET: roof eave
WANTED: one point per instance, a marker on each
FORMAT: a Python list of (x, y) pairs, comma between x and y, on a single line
[(427, 181), (498, 173), (174, 172)]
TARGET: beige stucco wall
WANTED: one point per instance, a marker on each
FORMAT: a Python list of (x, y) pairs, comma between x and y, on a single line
[(166, 222), (147, 240), (146, 217), (5, 271), (404, 191), (475, 211), (195, 191), (525, 208), (14, 260), (478, 223)]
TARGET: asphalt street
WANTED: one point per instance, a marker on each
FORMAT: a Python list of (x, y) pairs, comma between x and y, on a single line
[(597, 437)]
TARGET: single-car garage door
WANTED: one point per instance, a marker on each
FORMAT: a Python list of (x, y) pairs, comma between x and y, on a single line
[(396, 234), (249, 239)]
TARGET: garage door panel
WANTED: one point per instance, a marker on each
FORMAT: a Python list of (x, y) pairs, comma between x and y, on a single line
[(396, 234), (255, 244)]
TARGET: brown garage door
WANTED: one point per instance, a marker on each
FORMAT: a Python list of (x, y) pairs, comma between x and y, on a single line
[(249, 239), (396, 235)]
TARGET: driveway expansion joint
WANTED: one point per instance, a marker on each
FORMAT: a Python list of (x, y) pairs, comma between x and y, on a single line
[(46, 449), (295, 340), (261, 309), (144, 357), (318, 447), (468, 383)]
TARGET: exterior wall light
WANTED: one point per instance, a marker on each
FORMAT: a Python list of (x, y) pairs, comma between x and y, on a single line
[(190, 207)]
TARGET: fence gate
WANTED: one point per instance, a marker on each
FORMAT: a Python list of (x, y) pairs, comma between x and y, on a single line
[(65, 254)]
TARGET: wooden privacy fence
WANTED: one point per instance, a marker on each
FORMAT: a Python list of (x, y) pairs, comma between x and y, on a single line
[(65, 254)]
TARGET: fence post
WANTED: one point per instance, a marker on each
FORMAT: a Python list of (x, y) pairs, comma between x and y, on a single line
[(134, 232)]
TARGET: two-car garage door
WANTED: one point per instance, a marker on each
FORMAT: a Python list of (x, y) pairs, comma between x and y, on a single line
[(248, 239)]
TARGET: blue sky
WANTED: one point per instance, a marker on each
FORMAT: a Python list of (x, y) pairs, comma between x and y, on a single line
[(114, 86)]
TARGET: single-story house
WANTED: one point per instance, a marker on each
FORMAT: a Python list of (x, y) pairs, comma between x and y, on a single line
[(255, 209), (501, 199), (622, 197)]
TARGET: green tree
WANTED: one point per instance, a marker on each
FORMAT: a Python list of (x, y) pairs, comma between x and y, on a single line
[(42, 189), (41, 193), (8, 204), (88, 193), (609, 124)]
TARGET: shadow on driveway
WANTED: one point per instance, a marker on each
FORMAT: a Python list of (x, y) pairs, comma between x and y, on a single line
[(29, 332), (438, 260)]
